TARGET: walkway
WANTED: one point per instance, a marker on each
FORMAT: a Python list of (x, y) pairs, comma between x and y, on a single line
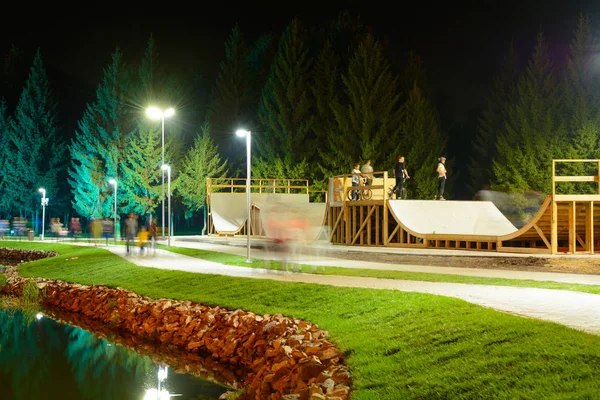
[(319, 259), (576, 310)]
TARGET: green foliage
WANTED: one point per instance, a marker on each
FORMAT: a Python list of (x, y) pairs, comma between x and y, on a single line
[(535, 131), (491, 121), (286, 107), (202, 162), (31, 293), (36, 147), (422, 143), (367, 115), (6, 160), (280, 168), (99, 148), (3, 281)]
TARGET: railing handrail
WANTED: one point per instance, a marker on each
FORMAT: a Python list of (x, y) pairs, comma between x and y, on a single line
[(574, 178)]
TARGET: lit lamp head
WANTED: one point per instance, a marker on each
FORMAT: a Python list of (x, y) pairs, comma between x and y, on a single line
[(113, 182), (42, 191), (165, 167), (157, 113), (242, 132)]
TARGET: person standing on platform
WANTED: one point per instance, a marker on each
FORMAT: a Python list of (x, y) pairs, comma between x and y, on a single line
[(367, 171), (441, 170), (401, 174), (356, 175)]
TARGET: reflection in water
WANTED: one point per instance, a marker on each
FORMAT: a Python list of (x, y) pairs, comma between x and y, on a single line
[(42, 359)]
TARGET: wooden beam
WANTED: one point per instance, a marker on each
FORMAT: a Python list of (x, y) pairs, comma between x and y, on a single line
[(541, 233), (337, 222), (364, 223), (590, 225), (564, 178), (554, 227), (577, 197), (572, 226), (522, 250)]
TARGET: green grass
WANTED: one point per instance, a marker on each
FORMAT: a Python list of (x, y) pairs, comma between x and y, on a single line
[(230, 259), (398, 345)]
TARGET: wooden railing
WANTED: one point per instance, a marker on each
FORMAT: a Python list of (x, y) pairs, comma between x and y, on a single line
[(238, 185), (575, 178), (341, 185)]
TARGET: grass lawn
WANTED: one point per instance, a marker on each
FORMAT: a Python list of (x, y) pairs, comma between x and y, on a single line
[(398, 345), (230, 259)]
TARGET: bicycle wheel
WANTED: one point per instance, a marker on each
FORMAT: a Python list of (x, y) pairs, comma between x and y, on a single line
[(367, 194), (350, 192)]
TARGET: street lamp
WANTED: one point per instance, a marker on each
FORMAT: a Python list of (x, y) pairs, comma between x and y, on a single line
[(114, 182), (44, 204), (168, 169), (156, 113), (247, 134)]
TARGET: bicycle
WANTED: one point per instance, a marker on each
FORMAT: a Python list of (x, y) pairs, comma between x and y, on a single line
[(363, 194), (403, 193)]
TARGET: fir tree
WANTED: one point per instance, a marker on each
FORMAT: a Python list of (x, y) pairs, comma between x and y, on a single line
[(422, 142), (368, 123), (141, 174), (492, 120), (203, 161), (99, 148), (39, 154), (581, 94), (286, 110), (534, 130), (230, 108), (6, 158)]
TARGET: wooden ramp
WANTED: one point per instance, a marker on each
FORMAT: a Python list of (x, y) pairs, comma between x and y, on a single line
[(564, 224)]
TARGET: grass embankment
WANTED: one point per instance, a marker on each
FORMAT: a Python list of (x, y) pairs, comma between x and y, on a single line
[(230, 259), (398, 345)]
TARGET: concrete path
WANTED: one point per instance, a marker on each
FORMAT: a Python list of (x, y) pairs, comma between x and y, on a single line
[(576, 310), (317, 258)]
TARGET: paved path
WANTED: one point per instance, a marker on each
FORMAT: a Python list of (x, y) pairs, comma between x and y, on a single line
[(319, 259), (576, 310)]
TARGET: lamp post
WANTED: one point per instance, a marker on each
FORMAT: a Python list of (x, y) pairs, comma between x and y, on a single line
[(168, 169), (114, 182), (247, 134), (156, 113), (44, 204)]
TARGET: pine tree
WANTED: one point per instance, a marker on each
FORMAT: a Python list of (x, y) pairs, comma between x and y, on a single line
[(534, 130), (286, 110), (422, 143), (99, 148), (581, 93), (39, 154), (5, 161), (141, 174), (367, 117), (492, 120), (203, 161), (230, 108)]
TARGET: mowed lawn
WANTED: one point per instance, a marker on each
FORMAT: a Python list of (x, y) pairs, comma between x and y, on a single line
[(398, 345)]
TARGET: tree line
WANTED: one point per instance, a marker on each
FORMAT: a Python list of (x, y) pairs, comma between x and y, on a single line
[(317, 100)]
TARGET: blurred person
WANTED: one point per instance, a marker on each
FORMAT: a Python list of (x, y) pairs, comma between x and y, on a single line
[(107, 228), (143, 239), (131, 229), (96, 230), (4, 228), (153, 234)]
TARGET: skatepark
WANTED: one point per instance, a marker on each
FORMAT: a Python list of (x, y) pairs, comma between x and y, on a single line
[(564, 224)]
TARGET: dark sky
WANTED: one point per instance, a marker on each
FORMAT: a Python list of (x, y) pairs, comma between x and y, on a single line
[(459, 41)]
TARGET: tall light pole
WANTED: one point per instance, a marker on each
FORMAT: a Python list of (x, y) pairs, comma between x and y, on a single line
[(247, 134), (44, 204), (156, 113), (114, 182), (168, 169)]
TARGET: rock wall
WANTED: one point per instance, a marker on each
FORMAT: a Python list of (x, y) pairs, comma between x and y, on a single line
[(278, 357), (18, 256)]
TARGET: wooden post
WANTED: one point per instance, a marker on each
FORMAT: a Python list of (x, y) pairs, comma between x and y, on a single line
[(385, 211), (598, 176), (572, 228), (553, 175), (589, 228), (554, 227)]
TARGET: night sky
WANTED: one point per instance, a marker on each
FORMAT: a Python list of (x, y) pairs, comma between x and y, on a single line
[(460, 42)]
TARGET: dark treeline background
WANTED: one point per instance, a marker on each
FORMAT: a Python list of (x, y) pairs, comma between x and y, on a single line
[(317, 98)]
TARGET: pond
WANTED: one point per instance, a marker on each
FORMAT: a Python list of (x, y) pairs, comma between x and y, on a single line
[(43, 359)]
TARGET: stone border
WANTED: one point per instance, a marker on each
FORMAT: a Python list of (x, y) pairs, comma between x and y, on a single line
[(280, 357), (18, 256)]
